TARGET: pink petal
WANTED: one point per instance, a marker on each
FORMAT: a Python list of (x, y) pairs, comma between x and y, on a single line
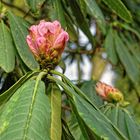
[(62, 38), (42, 29), (32, 45), (50, 27), (57, 24), (40, 41), (33, 31)]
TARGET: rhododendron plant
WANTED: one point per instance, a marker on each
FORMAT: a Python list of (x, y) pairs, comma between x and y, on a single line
[(108, 92), (38, 101), (47, 41)]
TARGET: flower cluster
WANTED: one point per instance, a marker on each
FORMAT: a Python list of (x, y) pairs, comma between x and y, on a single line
[(47, 41), (108, 92)]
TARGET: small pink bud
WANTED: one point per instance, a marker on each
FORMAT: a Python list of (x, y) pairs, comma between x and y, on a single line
[(108, 92), (47, 41)]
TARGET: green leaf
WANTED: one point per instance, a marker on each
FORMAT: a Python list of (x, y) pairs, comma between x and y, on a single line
[(126, 59), (95, 121), (19, 32), (110, 48), (56, 128), (80, 19), (7, 54), (124, 121), (62, 65), (66, 135), (35, 5), (121, 122), (119, 8), (132, 46), (82, 7), (96, 12), (75, 129), (129, 28), (80, 122), (113, 116), (88, 88), (59, 12), (8, 93), (71, 30), (132, 128), (27, 114)]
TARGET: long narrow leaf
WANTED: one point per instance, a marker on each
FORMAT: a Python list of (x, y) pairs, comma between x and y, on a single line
[(110, 47), (7, 53), (119, 8), (56, 128), (81, 20), (126, 59), (132, 128), (59, 12), (19, 32), (96, 12)]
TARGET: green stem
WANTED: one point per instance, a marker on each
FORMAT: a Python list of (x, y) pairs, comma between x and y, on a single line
[(41, 74), (67, 88)]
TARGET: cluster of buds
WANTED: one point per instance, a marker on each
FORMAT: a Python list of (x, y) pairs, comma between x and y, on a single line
[(109, 93), (47, 41)]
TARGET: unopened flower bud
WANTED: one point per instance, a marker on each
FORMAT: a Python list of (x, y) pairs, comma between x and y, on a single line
[(47, 41), (109, 93)]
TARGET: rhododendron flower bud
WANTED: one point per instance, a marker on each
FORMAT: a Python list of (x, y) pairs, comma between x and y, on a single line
[(108, 92), (47, 41)]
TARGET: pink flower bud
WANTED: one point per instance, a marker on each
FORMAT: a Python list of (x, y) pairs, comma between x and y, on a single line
[(47, 41), (108, 92)]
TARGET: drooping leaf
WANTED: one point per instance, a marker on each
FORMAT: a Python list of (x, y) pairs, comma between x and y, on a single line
[(80, 19), (132, 46), (96, 12), (75, 129), (8, 93), (110, 48), (133, 130), (19, 32), (121, 122), (81, 123), (82, 6), (56, 128), (71, 30), (27, 114), (95, 121), (131, 29), (126, 59), (7, 53), (35, 5), (124, 121), (119, 8), (59, 12), (66, 135)]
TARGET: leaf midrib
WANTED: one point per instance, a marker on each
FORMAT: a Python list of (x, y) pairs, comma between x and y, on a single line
[(30, 111)]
